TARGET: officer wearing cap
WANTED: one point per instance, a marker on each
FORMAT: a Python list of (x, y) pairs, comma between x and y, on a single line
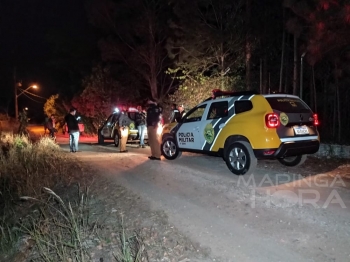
[(153, 117)]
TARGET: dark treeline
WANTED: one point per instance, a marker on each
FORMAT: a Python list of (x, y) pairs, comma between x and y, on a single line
[(179, 50), (296, 47)]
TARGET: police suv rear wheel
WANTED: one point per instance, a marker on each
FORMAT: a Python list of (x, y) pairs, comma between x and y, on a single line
[(293, 160), (169, 149), (240, 158), (116, 140)]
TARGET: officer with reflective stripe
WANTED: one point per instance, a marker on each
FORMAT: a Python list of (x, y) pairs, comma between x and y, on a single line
[(153, 117)]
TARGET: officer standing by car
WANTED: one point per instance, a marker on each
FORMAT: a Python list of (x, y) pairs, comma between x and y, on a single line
[(51, 126), (182, 110), (181, 113), (175, 114), (153, 117), (124, 122), (141, 125)]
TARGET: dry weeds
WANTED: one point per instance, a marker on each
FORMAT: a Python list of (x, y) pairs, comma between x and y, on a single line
[(55, 220)]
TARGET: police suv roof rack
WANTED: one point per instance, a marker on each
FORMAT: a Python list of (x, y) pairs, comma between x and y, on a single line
[(218, 93)]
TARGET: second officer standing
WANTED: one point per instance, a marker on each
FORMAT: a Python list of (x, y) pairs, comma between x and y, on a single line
[(124, 122), (153, 118)]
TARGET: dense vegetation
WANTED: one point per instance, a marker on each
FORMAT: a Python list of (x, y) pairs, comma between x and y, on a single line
[(123, 52), (185, 49)]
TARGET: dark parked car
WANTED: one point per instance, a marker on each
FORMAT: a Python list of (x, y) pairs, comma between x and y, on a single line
[(109, 129)]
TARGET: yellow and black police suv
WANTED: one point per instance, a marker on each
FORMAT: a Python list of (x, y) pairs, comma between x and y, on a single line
[(109, 130), (243, 127)]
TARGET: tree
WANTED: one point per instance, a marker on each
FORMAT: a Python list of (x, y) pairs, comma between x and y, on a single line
[(101, 94), (282, 51), (195, 90), (208, 38), (134, 34), (328, 40), (248, 44), (295, 26), (56, 106)]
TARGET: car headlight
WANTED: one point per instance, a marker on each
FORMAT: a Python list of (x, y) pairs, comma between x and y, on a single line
[(159, 129)]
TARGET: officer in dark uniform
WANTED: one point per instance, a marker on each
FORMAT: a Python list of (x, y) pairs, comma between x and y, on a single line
[(175, 114), (140, 120), (124, 122), (23, 122), (153, 117)]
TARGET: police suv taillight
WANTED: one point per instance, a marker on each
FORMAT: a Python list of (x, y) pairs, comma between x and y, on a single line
[(272, 120), (316, 122)]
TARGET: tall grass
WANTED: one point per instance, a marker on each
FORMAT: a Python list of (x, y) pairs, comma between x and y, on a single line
[(132, 248), (26, 167), (58, 230)]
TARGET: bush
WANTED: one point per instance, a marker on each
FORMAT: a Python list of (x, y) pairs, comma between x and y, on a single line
[(27, 167), (8, 124)]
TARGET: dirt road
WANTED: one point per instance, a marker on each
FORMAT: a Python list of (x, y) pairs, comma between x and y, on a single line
[(277, 214)]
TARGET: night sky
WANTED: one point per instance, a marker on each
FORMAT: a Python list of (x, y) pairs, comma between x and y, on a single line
[(45, 41)]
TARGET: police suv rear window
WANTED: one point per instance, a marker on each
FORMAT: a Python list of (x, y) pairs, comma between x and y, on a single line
[(288, 104), (242, 106)]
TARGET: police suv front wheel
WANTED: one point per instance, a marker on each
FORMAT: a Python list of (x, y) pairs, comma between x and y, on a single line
[(240, 158), (293, 160), (116, 140), (169, 149)]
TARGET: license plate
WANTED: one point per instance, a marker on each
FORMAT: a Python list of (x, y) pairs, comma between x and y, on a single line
[(301, 130)]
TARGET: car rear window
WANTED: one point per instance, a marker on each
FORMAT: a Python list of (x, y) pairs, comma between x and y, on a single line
[(132, 115), (288, 104), (242, 106)]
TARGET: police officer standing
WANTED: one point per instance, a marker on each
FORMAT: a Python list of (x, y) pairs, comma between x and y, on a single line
[(124, 122), (152, 119), (73, 129), (51, 126), (141, 124), (23, 122), (182, 111), (175, 114)]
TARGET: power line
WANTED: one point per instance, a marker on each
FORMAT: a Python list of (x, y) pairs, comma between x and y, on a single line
[(35, 95), (32, 99)]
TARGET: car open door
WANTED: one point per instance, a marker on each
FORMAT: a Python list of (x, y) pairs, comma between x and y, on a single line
[(108, 127), (190, 135)]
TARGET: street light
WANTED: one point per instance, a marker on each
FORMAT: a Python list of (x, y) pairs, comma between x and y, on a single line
[(21, 93), (301, 74)]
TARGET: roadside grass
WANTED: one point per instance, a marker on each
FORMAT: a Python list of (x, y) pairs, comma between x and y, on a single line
[(132, 248), (35, 221), (58, 228), (9, 236), (26, 167)]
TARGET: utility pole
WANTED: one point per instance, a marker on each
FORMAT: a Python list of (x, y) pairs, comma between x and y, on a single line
[(301, 74), (15, 89), (16, 85)]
